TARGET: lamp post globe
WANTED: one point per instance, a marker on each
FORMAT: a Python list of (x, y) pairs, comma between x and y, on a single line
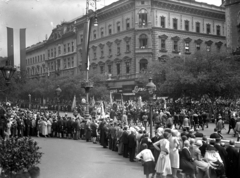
[(7, 72), (151, 87)]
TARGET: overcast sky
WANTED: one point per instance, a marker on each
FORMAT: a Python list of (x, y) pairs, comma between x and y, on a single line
[(40, 16)]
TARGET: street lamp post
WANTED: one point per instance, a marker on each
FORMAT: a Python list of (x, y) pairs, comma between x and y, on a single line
[(58, 92), (7, 72), (87, 85), (151, 87), (29, 97)]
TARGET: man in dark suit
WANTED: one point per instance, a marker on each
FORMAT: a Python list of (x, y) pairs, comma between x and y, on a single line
[(232, 167), (204, 145), (125, 142), (215, 134), (132, 145), (222, 152)]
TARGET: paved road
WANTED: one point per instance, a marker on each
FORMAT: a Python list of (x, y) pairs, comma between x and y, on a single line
[(78, 159)]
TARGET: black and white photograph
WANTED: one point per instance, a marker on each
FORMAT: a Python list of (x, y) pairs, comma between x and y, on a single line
[(119, 88)]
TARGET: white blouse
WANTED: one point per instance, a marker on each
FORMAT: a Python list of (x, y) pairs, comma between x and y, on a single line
[(146, 155)]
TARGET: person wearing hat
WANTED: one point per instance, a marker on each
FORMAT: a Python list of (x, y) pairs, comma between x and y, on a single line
[(232, 167), (198, 160), (214, 159), (215, 134)]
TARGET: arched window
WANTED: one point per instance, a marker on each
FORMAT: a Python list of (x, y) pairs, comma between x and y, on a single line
[(143, 17), (143, 63), (143, 39)]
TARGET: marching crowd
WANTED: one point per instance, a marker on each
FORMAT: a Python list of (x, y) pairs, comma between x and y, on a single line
[(170, 149)]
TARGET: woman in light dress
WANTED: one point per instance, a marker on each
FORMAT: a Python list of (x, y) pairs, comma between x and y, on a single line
[(163, 166), (44, 127), (174, 153), (49, 127)]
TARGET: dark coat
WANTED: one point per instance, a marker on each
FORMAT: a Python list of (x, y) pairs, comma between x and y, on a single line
[(215, 135), (232, 167), (132, 141), (203, 149), (223, 154), (125, 137), (186, 162)]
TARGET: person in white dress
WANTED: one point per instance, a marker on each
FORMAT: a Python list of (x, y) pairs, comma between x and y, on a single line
[(174, 152), (49, 126), (44, 127), (163, 166)]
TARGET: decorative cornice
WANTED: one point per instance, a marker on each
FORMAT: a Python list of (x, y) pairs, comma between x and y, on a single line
[(175, 38), (100, 63), (189, 10), (101, 45), (169, 30), (127, 59), (109, 44), (187, 40), (198, 41), (94, 47), (209, 42), (117, 41), (127, 39), (117, 60), (219, 44), (163, 37), (109, 62)]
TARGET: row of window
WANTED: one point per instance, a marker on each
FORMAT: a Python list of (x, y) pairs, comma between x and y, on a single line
[(103, 33), (36, 59), (108, 68), (176, 48), (57, 51), (143, 22), (128, 50)]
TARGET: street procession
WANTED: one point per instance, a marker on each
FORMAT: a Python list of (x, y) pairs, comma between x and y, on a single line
[(120, 88)]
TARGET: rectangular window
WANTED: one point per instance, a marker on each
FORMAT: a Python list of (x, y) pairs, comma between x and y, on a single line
[(102, 53), (208, 28), (175, 24), (55, 52), (163, 44), (175, 46), (109, 30), (64, 63), (127, 67), (101, 69), (218, 30), (186, 25), (68, 47), (72, 46), (118, 68), (109, 69), (198, 47), (59, 50), (102, 32), (43, 57), (110, 51), (64, 48), (143, 19), (94, 55), (40, 58), (198, 27), (69, 63), (187, 48), (94, 35), (81, 39), (118, 50), (163, 22), (51, 52), (127, 24), (128, 48), (72, 62), (118, 27)]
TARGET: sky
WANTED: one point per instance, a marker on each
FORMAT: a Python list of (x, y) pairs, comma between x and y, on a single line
[(39, 17)]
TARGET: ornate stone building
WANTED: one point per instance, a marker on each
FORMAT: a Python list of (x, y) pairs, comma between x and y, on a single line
[(131, 34), (233, 25)]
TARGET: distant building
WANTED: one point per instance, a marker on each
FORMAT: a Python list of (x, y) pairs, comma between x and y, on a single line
[(131, 35), (233, 25)]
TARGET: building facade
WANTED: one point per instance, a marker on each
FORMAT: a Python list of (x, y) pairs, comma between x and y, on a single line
[(131, 34), (233, 25)]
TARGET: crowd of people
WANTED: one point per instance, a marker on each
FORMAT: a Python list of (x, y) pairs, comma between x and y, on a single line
[(177, 145)]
